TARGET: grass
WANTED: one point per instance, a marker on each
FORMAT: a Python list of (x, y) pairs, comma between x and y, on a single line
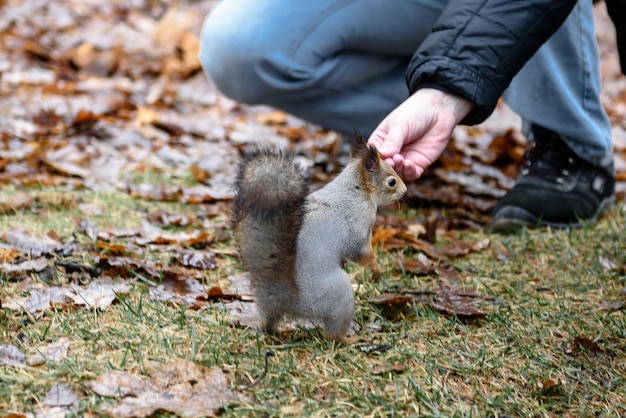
[(545, 348)]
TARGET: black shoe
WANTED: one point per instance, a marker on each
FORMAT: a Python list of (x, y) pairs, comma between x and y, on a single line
[(556, 188)]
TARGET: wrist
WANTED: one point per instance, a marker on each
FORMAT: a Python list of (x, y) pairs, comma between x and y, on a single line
[(457, 105)]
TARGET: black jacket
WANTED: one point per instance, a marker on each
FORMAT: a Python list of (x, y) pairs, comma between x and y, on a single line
[(477, 46)]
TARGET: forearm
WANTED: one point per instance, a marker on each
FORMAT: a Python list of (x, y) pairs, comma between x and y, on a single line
[(477, 47)]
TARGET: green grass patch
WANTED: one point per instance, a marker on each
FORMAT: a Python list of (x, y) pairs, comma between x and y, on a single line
[(550, 344)]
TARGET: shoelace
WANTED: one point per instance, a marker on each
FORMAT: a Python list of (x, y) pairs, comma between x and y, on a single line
[(550, 159)]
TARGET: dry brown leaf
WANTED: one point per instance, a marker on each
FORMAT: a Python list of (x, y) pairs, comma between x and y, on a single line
[(35, 246), (391, 299), (453, 304), (146, 116), (60, 395), (392, 368), (8, 255), (180, 387), (198, 259), (445, 299), (381, 235), (50, 352), (129, 267), (162, 218), (36, 265), (423, 246), (188, 292), (186, 62), (216, 293), (293, 133), (39, 300), (10, 355), (240, 284), (275, 117), (172, 26), (99, 294), (244, 314), (550, 386), (13, 203), (612, 306), (86, 227), (116, 383), (415, 229), (582, 344)]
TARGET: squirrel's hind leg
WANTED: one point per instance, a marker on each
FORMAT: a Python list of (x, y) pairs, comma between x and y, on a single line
[(270, 325), (337, 328), (338, 313), (270, 318)]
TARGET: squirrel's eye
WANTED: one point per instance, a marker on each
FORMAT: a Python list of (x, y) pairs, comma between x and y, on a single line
[(391, 182)]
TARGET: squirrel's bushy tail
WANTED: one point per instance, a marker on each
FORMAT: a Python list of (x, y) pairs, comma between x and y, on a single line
[(271, 189), (267, 182)]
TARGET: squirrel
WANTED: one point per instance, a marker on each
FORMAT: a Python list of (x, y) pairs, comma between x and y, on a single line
[(294, 244)]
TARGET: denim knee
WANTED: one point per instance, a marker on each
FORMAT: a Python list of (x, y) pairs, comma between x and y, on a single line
[(230, 58)]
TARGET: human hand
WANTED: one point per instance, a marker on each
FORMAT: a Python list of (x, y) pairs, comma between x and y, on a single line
[(415, 133)]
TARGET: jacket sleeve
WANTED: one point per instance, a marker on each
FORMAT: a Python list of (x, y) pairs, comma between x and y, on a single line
[(477, 46)]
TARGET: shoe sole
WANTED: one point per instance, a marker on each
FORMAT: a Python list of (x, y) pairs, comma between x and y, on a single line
[(518, 218)]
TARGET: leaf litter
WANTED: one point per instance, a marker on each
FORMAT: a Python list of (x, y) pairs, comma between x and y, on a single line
[(180, 386), (84, 109), (446, 299)]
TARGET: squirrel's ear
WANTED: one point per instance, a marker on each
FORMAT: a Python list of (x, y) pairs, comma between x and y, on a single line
[(358, 145), (367, 154)]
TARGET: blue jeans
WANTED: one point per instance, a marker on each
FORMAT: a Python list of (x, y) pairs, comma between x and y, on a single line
[(341, 63)]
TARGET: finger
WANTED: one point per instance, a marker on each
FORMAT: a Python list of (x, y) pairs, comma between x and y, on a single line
[(398, 164), (411, 171), (393, 141)]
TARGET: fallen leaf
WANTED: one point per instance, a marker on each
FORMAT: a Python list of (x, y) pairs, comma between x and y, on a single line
[(115, 383), (8, 255), (450, 301), (10, 355), (126, 267), (21, 240), (392, 368), (391, 299), (582, 344), (39, 300), (13, 203), (612, 264), (36, 265), (415, 229), (275, 117), (198, 259), (60, 395), (612, 306), (188, 292), (179, 387), (162, 218), (99, 294), (445, 300), (50, 352), (86, 227), (381, 235), (244, 314), (240, 284), (216, 293), (552, 386)]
